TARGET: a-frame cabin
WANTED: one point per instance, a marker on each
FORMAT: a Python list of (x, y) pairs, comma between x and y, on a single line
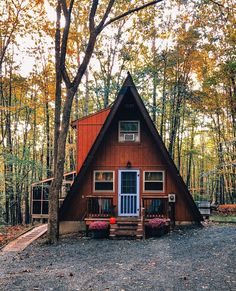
[(123, 166)]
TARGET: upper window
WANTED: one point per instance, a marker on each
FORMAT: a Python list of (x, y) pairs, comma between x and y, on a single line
[(129, 131), (103, 181), (153, 181)]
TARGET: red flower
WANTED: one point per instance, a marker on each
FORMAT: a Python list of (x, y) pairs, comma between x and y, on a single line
[(98, 225), (156, 222)]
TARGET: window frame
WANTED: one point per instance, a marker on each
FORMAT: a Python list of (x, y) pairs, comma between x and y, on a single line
[(163, 181), (138, 133), (94, 181), (42, 200)]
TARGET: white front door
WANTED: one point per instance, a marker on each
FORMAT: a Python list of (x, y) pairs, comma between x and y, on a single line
[(128, 195)]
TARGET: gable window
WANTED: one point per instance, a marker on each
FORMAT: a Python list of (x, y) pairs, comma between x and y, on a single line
[(153, 181), (103, 181), (129, 131)]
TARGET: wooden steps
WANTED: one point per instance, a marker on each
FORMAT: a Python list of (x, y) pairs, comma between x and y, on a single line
[(130, 227)]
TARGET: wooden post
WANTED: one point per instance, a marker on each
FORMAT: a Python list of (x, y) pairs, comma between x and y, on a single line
[(172, 213), (143, 221)]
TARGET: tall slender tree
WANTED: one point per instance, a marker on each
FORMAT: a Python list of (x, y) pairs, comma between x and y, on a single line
[(100, 11)]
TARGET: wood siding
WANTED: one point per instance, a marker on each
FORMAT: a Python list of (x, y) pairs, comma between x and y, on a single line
[(113, 155), (87, 130)]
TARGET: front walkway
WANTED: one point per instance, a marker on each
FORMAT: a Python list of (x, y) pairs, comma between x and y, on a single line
[(20, 243)]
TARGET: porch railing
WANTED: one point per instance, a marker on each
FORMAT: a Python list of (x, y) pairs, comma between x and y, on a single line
[(154, 207), (100, 207)]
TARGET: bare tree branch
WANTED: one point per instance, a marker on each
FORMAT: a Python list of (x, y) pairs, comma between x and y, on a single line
[(8, 39), (130, 12), (66, 77), (71, 6), (108, 10), (67, 14), (92, 15), (101, 26), (216, 3), (64, 7)]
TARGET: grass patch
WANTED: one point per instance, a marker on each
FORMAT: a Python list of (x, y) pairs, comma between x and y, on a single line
[(227, 219)]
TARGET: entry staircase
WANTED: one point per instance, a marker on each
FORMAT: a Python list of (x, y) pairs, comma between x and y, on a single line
[(131, 227)]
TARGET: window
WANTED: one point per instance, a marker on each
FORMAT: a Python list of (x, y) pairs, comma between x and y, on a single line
[(153, 181), (40, 193), (129, 131), (103, 181)]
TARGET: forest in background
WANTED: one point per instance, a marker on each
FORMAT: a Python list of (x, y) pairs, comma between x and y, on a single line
[(182, 57)]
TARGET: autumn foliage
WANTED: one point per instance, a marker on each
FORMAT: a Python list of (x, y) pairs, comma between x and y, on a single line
[(227, 209)]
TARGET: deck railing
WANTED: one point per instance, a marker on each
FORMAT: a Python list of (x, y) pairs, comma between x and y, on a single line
[(154, 207), (100, 207)]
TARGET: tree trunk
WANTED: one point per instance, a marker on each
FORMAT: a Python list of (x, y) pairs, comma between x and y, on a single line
[(8, 166), (86, 101), (154, 98), (175, 121), (71, 152), (163, 106), (53, 229), (48, 141), (60, 132), (189, 167), (26, 202)]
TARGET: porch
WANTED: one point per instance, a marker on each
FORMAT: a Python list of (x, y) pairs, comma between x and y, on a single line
[(102, 208)]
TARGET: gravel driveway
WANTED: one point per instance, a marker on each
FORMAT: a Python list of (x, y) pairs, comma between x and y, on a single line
[(187, 259)]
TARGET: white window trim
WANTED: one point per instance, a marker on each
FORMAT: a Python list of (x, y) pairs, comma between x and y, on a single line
[(163, 181), (122, 141), (105, 191)]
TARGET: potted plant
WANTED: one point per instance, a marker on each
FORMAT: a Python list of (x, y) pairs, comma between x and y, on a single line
[(157, 227), (99, 229)]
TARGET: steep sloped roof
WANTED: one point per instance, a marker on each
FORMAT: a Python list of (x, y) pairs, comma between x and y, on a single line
[(129, 87)]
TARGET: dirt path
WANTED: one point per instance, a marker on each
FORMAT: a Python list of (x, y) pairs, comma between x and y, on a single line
[(190, 259)]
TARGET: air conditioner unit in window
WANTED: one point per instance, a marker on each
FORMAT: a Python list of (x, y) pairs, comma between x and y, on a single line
[(129, 137), (171, 197)]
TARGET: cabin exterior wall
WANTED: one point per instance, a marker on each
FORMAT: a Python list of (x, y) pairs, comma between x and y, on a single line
[(114, 156), (87, 131)]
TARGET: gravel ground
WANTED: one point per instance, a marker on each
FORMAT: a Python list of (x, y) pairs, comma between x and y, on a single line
[(186, 259)]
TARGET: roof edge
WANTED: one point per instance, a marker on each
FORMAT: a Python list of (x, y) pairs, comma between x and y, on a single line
[(129, 84), (74, 122)]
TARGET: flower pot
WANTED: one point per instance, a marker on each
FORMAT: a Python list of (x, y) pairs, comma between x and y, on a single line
[(100, 233), (155, 232)]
